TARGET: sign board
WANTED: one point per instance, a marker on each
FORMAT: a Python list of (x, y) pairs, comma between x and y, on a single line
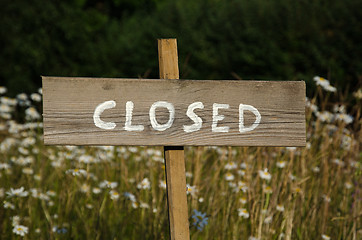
[(109, 111)]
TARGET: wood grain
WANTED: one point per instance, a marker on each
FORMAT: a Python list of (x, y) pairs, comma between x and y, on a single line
[(69, 104), (174, 155)]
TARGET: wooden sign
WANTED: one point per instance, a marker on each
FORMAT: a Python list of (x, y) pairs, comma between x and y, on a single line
[(100, 111)]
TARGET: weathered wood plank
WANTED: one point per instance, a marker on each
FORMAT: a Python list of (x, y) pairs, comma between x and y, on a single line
[(69, 105), (174, 155)]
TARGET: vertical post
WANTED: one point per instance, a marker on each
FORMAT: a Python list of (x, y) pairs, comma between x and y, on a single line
[(174, 156)]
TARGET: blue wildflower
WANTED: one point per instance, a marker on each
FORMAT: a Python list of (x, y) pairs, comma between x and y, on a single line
[(200, 220)]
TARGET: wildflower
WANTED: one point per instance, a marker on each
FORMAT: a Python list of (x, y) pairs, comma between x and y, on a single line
[(281, 164), (8, 205), (96, 190), (28, 141), (241, 186), (87, 159), (292, 177), (145, 184), (5, 108), (15, 220), (267, 189), (325, 116), (51, 193), (59, 230), (144, 205), (28, 171), (324, 83), (230, 166), (265, 174), (32, 114), (23, 151), (129, 196), (268, 220), (191, 190), (326, 198), (108, 184), (312, 106), (35, 97), (325, 237), (188, 174), (241, 172), (163, 184), (201, 199), (8, 101), (114, 195), (133, 149), (298, 190), (3, 90), (22, 161), (200, 220), (330, 88), (77, 172), (280, 208), (229, 177), (22, 97), (344, 118), (348, 185), (134, 205), (358, 94), (291, 149), (243, 200), (346, 142), (20, 230), (243, 213), (243, 165), (339, 109), (84, 188), (19, 192), (316, 169), (4, 166), (232, 184), (89, 206), (354, 164)]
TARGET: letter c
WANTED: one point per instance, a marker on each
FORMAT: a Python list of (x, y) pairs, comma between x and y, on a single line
[(99, 110)]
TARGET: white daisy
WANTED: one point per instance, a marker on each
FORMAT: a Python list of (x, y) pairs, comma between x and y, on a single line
[(230, 166), (108, 184), (265, 174), (20, 230), (145, 184), (243, 213), (229, 177), (281, 164), (114, 195), (19, 192)]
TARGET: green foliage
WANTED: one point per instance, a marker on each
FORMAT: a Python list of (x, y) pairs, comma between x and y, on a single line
[(217, 39)]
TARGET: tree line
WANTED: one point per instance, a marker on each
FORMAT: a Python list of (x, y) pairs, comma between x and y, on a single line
[(239, 39)]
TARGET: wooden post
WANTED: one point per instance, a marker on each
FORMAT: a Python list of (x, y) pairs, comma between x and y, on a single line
[(174, 155)]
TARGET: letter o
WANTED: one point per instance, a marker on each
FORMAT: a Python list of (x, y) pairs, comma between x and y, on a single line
[(171, 110)]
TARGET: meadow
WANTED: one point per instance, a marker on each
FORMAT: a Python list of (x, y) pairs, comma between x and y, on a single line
[(119, 192)]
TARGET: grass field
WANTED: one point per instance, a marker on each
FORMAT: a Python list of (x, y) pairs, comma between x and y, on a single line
[(69, 192)]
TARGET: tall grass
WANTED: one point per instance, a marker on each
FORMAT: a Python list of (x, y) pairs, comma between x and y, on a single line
[(245, 192)]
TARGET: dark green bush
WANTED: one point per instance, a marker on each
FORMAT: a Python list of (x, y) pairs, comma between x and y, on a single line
[(217, 39)]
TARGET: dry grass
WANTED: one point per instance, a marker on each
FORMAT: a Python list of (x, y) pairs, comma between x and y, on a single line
[(312, 191)]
